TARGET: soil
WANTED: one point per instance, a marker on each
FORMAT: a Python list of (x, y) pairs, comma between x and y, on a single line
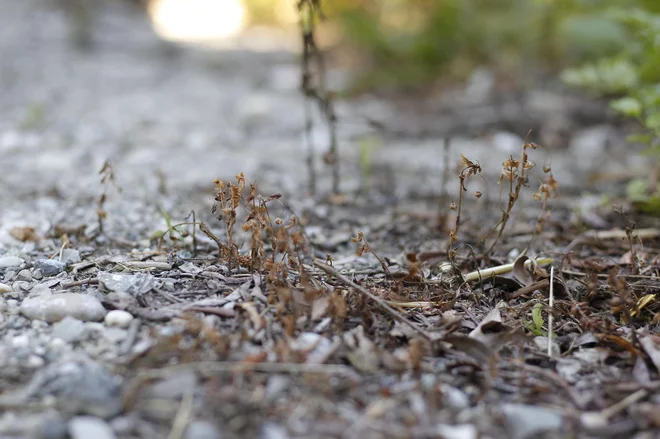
[(273, 312)]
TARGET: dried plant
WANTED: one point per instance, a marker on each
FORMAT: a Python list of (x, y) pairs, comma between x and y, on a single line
[(516, 173), (365, 247), (107, 174), (470, 169), (310, 13)]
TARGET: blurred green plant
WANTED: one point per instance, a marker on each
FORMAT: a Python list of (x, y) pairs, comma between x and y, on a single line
[(414, 42), (631, 78)]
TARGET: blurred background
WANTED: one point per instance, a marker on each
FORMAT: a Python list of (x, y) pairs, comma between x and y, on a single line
[(178, 92)]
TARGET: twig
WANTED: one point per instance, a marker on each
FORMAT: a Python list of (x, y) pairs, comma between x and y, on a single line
[(380, 302), (90, 281), (604, 275), (500, 269), (182, 417), (624, 403), (210, 367), (555, 378), (550, 316), (412, 304), (596, 235)]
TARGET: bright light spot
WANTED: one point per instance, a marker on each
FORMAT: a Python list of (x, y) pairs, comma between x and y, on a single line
[(197, 20)]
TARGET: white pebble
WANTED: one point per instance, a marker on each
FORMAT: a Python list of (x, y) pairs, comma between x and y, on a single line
[(4, 288), (21, 341), (87, 427), (53, 308), (10, 261), (118, 318), (35, 362)]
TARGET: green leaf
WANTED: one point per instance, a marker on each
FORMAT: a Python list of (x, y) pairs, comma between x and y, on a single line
[(637, 189), (627, 106), (652, 122), (645, 139), (166, 216), (537, 318)]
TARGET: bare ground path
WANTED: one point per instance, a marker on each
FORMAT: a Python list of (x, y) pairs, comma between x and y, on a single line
[(114, 336)]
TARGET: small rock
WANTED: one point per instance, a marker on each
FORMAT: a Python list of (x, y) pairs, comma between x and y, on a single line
[(35, 362), (174, 386), (70, 256), (69, 329), (524, 421), (21, 285), (134, 284), (124, 425), (54, 429), (201, 430), (53, 308), (115, 335), (86, 427), (4, 288), (20, 341), (10, 261), (37, 274), (25, 275), (79, 386), (461, 431), (49, 267), (118, 318)]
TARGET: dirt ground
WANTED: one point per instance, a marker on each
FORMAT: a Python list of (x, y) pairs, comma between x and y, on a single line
[(276, 313)]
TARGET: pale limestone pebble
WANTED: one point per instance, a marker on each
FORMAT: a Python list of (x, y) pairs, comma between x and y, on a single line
[(55, 307), (20, 341), (10, 261), (35, 362), (4, 288), (118, 318), (87, 427)]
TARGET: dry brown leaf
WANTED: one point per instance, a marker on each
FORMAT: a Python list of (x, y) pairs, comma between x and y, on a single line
[(24, 234)]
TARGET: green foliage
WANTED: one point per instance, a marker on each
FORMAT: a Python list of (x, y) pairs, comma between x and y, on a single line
[(536, 325), (632, 80), (416, 41)]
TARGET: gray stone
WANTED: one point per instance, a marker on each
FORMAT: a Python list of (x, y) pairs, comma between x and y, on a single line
[(69, 329), (10, 261), (124, 425), (34, 362), (174, 386), (87, 427), (49, 267), (25, 275), (114, 335), (524, 421), (54, 428), (70, 256), (202, 430), (55, 307), (79, 386), (134, 284)]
